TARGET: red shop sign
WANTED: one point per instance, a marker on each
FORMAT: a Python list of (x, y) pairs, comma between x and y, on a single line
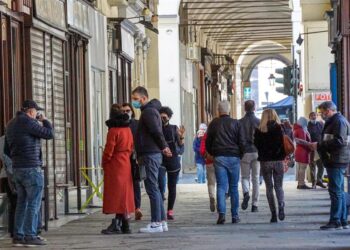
[(323, 97)]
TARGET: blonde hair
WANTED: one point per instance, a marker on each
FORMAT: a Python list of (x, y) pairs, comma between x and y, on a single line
[(268, 115)]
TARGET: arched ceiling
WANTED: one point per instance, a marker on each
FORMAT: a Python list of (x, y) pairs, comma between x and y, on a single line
[(235, 25)]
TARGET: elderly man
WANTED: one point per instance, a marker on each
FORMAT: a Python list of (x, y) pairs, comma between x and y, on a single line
[(23, 136), (225, 142), (334, 150)]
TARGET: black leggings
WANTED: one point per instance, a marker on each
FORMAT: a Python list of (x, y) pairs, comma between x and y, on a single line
[(172, 181)]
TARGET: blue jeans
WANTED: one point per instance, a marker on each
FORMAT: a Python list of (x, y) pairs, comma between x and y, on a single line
[(227, 176), (152, 163), (337, 194), (29, 185), (201, 172)]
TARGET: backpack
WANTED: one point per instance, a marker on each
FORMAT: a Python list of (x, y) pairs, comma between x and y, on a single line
[(174, 145)]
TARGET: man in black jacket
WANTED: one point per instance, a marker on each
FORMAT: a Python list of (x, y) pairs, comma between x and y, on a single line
[(249, 164), (23, 136), (315, 129), (225, 142), (334, 150), (150, 144)]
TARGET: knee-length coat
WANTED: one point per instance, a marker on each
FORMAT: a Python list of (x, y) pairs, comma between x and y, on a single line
[(118, 194)]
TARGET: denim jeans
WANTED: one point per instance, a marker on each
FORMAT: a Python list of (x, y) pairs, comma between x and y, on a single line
[(227, 176), (29, 185), (152, 163), (201, 172), (337, 194)]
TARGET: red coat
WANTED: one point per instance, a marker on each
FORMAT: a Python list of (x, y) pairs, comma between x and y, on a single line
[(302, 152), (118, 192), (203, 150)]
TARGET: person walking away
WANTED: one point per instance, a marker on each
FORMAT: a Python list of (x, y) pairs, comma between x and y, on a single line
[(334, 150), (118, 191), (210, 173), (315, 129), (23, 136), (150, 145), (250, 167), (268, 139), (225, 142), (171, 166), (128, 109), (302, 151), (199, 159)]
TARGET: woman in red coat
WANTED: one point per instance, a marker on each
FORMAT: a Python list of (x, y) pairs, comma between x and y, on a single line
[(302, 151), (118, 194)]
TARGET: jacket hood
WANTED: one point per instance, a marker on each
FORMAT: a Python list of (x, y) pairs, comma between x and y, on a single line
[(302, 121), (117, 121), (154, 103)]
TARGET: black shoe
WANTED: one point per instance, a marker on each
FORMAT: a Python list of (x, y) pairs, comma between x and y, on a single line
[(273, 218), (18, 242), (303, 187), (281, 214), (113, 228), (245, 201), (221, 219), (212, 204), (320, 184), (236, 220), (255, 209), (34, 242), (332, 226), (345, 225), (125, 226)]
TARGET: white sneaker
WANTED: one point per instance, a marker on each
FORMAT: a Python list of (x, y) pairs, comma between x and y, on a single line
[(152, 228), (165, 226)]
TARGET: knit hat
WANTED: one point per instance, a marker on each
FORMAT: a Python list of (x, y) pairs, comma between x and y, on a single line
[(224, 107), (203, 126)]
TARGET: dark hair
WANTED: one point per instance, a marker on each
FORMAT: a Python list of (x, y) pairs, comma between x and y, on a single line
[(312, 113), (126, 104), (116, 110), (328, 105), (166, 110), (249, 106), (141, 91)]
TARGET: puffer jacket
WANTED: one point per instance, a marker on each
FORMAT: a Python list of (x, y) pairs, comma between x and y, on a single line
[(334, 149), (149, 135), (302, 152), (249, 123)]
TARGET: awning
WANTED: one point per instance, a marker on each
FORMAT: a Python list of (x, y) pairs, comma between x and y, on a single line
[(282, 104)]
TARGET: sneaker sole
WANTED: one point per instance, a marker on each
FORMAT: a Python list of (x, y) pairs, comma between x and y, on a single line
[(18, 245), (331, 229)]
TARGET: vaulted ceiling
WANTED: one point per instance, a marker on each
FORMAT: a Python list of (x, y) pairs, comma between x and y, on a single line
[(264, 26)]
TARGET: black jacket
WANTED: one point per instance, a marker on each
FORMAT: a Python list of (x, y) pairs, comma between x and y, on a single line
[(334, 148), (149, 136), (249, 123), (270, 144), (225, 137), (172, 163), (315, 131), (23, 136)]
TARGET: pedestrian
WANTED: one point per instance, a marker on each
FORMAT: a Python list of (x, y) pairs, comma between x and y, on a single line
[(118, 191), (150, 145), (209, 165), (334, 150), (268, 139), (250, 166), (225, 142), (302, 151), (128, 109), (23, 137), (199, 159), (171, 166), (315, 129)]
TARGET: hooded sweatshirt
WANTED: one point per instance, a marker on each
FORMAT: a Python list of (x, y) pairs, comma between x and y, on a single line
[(149, 135)]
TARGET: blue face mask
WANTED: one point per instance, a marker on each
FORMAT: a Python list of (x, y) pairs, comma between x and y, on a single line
[(136, 104)]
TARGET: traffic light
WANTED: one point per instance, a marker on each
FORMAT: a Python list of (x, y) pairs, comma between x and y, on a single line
[(286, 80), (295, 79)]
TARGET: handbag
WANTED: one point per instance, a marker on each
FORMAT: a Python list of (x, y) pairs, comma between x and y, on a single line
[(140, 174), (288, 145)]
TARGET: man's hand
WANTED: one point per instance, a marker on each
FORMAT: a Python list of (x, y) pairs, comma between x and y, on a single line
[(167, 152), (181, 131), (41, 118), (313, 146)]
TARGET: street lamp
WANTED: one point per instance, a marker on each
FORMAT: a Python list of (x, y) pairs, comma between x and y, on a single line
[(272, 79)]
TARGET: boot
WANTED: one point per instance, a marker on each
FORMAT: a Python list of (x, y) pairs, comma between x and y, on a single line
[(221, 219), (125, 226), (212, 204), (281, 214), (273, 217), (113, 228)]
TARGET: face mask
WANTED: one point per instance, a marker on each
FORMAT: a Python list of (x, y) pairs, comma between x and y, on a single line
[(136, 104), (313, 121), (165, 121), (324, 117), (129, 114)]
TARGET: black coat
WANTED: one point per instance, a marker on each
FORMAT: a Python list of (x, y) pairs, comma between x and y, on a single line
[(249, 123), (149, 136), (270, 144), (225, 137), (23, 136), (334, 148)]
